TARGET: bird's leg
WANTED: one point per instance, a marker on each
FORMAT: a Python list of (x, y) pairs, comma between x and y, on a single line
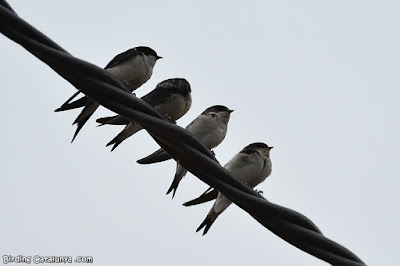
[(259, 192)]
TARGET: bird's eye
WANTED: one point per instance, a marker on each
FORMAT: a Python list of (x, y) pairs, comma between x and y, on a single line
[(212, 115)]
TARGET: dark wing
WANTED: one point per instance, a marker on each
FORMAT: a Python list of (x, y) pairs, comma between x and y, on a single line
[(113, 120), (159, 95), (156, 157), (206, 196), (122, 57)]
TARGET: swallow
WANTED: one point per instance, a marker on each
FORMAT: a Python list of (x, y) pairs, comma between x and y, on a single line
[(172, 98), (210, 127), (132, 67), (252, 165)]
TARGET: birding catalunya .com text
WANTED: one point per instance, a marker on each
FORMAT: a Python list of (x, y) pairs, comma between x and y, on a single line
[(37, 259)]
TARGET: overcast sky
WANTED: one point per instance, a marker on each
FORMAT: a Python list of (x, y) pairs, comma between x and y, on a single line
[(318, 80)]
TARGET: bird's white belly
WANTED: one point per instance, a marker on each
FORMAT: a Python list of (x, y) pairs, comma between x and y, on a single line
[(209, 132)]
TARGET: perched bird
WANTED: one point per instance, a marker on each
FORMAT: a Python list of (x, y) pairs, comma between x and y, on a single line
[(133, 68), (252, 165), (172, 98), (209, 127)]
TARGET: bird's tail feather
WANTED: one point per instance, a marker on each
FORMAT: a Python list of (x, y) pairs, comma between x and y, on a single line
[(81, 123), (179, 174), (128, 131), (174, 186), (84, 116), (208, 221), (115, 141)]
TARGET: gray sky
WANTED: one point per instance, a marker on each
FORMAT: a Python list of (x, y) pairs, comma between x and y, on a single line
[(318, 80)]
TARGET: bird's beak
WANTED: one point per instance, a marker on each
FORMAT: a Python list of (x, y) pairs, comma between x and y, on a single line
[(159, 57), (270, 148), (230, 111)]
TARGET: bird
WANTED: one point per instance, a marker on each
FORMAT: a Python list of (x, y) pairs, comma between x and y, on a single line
[(133, 68), (252, 165), (171, 97), (210, 127)]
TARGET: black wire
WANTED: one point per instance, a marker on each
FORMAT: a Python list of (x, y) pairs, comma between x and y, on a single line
[(105, 89), (6, 5)]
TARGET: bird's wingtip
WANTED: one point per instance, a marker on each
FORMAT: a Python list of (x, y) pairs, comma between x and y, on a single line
[(205, 197), (141, 161)]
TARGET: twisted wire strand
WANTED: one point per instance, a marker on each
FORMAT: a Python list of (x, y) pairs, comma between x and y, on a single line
[(105, 89)]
